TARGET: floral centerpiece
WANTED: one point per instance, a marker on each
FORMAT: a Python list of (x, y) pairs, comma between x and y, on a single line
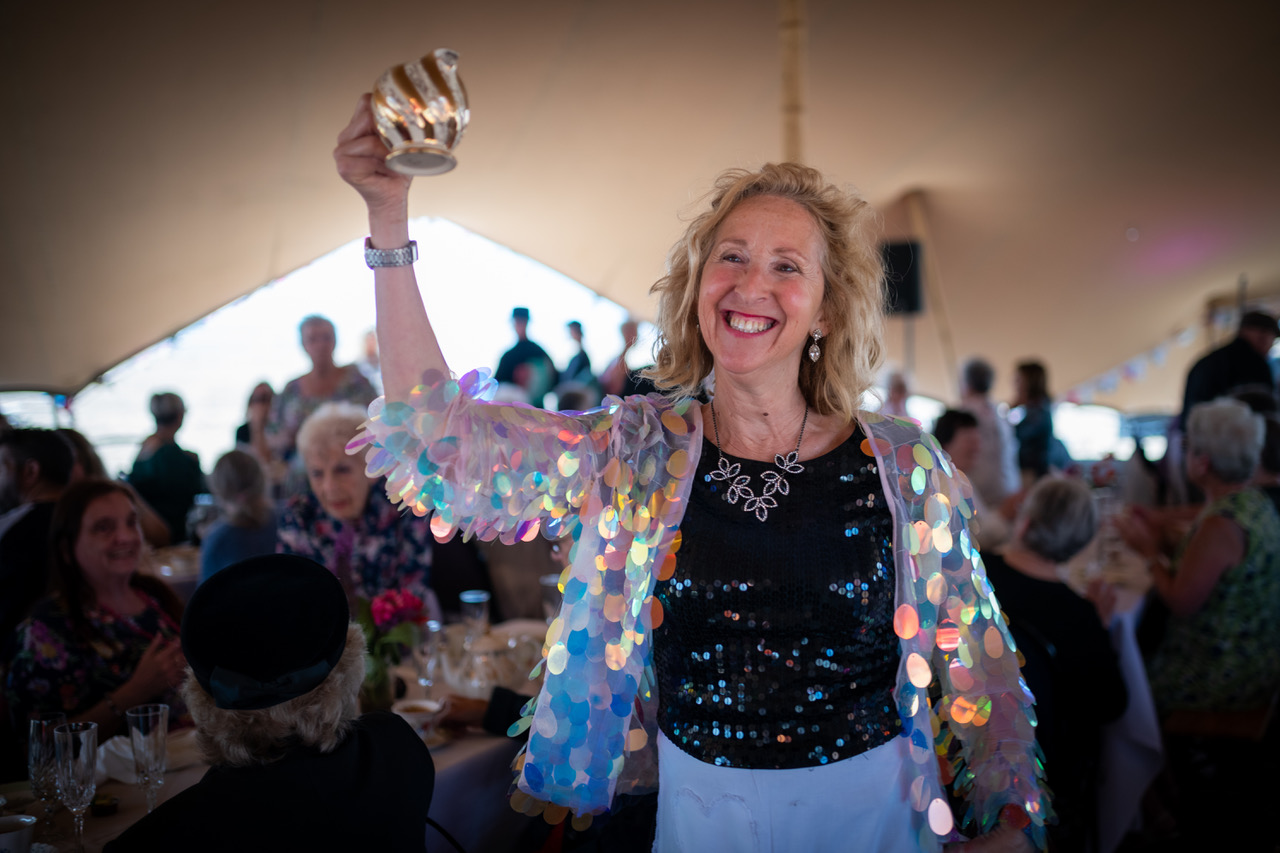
[(391, 624)]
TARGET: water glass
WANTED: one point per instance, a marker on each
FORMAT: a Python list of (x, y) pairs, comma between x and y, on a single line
[(42, 759), (76, 745), (149, 731), (426, 652), (475, 614)]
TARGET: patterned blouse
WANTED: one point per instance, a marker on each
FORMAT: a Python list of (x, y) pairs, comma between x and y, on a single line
[(381, 550), (53, 670), (1223, 658), (291, 407)]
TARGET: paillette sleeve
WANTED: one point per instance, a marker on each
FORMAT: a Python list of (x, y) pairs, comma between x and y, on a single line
[(960, 692), (496, 471), (616, 479)]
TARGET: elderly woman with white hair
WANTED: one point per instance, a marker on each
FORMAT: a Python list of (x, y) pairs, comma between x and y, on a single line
[(1222, 583), (1068, 651), (346, 524)]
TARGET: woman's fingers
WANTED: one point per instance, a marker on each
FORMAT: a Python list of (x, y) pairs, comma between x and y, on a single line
[(361, 120)]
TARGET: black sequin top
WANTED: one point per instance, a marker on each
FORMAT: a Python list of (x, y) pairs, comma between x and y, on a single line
[(777, 647)]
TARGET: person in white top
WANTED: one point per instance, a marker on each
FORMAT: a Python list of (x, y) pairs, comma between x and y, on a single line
[(995, 468)]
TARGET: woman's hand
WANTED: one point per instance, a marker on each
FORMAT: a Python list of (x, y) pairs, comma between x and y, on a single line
[(462, 712), (162, 666), (1139, 533), (361, 160)]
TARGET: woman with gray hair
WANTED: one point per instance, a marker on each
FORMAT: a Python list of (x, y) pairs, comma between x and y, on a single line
[(347, 524), (1216, 669), (1067, 649), (1222, 583)]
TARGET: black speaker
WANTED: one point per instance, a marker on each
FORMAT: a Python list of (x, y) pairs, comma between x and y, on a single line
[(902, 276)]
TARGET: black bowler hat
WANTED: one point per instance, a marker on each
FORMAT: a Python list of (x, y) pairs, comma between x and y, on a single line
[(519, 313), (265, 630)]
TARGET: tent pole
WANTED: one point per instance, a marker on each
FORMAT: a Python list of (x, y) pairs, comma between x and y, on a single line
[(791, 26)]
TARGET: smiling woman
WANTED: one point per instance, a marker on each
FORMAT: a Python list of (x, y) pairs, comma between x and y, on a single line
[(792, 645), (107, 638), (345, 523)]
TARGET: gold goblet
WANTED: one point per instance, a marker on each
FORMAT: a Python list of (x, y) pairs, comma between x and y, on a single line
[(420, 109)]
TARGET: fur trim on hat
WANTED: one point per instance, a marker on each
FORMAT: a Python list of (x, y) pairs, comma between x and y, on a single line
[(319, 719)]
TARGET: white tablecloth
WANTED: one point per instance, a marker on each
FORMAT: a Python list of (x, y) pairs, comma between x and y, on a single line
[(473, 774)]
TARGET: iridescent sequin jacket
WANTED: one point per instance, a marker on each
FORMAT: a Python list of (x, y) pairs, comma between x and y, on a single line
[(617, 479)]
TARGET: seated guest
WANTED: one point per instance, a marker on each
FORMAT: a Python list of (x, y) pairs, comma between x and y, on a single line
[(247, 524), (275, 671), (35, 468), (167, 477), (1222, 585), (1071, 667), (345, 522), (325, 382), (107, 637), (960, 436), (1222, 590)]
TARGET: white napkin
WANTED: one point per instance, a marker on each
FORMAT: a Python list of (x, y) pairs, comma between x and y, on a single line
[(115, 757)]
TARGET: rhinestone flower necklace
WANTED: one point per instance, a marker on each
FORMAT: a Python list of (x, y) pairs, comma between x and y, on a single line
[(775, 482)]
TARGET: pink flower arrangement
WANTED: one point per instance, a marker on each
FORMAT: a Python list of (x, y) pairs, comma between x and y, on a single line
[(394, 607)]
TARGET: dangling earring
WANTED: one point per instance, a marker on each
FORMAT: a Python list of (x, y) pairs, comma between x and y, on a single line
[(815, 352)]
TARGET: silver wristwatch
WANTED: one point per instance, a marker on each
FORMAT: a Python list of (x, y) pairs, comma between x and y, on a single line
[(402, 257)]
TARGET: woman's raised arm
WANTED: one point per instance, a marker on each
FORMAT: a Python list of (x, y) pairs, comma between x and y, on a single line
[(406, 340)]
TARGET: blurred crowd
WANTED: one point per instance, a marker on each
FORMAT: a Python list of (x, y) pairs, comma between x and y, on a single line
[(1202, 524), (87, 629)]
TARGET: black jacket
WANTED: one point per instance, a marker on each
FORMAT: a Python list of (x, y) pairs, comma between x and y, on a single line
[(371, 793)]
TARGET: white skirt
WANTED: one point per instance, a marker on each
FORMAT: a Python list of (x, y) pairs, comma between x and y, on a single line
[(859, 804)]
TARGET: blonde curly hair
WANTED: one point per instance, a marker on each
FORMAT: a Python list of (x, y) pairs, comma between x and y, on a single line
[(319, 719), (853, 295)]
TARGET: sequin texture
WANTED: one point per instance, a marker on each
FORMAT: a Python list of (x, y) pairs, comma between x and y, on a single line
[(777, 648), (617, 480)]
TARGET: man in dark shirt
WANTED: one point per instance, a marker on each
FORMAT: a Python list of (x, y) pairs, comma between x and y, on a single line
[(35, 467), (1241, 362), (526, 364)]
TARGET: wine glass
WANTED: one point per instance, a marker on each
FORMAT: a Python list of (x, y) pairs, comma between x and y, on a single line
[(426, 653), (42, 760), (475, 614), (149, 731), (76, 745)]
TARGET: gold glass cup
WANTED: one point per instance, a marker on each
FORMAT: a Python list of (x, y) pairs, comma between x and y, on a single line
[(420, 109)]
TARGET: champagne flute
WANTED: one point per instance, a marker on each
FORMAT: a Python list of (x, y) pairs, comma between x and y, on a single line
[(76, 745), (426, 653), (42, 760), (149, 731)]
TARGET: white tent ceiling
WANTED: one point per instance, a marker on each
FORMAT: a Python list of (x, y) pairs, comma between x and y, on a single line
[(161, 159)]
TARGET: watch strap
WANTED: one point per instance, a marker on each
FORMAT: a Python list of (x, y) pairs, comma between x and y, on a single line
[(401, 257)]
